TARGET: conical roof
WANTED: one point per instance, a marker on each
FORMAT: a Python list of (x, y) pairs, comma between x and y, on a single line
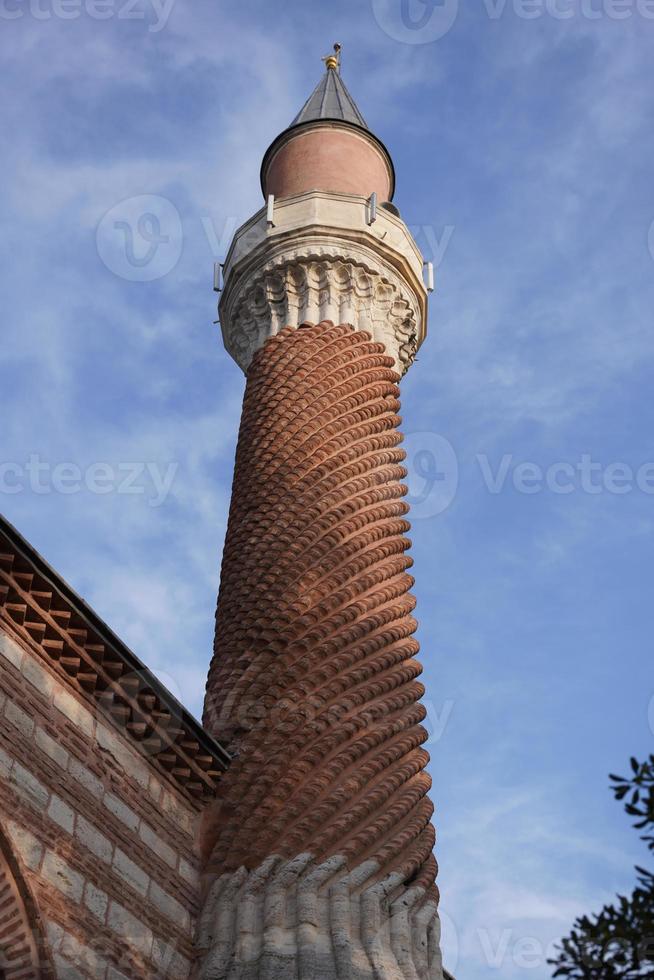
[(330, 100)]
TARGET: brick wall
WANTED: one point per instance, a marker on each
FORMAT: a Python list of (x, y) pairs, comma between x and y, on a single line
[(106, 839)]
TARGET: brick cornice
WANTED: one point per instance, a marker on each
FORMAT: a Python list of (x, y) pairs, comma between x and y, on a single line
[(40, 609)]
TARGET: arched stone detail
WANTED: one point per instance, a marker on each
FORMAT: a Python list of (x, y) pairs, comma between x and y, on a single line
[(23, 949)]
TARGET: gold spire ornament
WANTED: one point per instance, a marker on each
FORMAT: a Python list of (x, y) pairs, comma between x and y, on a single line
[(333, 61)]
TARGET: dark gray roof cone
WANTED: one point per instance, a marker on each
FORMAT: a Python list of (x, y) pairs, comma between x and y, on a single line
[(330, 100)]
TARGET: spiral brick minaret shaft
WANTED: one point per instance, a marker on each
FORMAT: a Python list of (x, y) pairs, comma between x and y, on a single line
[(318, 849)]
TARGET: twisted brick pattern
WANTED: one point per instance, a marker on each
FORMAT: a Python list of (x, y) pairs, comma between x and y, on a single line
[(313, 685)]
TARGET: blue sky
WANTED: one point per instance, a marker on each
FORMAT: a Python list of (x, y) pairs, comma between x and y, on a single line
[(523, 142)]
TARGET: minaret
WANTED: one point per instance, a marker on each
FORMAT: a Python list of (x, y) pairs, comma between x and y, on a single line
[(318, 850)]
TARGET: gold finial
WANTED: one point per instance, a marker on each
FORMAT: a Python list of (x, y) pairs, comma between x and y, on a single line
[(333, 61)]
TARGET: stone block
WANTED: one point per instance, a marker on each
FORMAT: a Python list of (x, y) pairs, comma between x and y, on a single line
[(121, 810), (29, 848), (29, 787), (188, 872), (87, 779), (174, 809), (52, 748), (96, 901), (65, 970), (19, 719), (129, 928), (169, 962), (130, 872), (83, 957), (10, 650), (55, 933), (91, 838), (130, 761), (64, 878), (38, 677), (74, 710), (155, 788), (6, 762), (61, 813), (156, 844), (169, 906)]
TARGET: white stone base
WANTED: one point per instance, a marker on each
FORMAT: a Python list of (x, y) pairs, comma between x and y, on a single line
[(296, 920)]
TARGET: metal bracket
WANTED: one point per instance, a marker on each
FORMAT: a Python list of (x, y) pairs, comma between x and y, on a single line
[(372, 208)]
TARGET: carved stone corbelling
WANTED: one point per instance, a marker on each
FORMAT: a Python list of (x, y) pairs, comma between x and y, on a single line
[(300, 918), (321, 285), (322, 259)]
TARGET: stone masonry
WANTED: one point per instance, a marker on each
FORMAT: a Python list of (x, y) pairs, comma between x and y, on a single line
[(99, 809)]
